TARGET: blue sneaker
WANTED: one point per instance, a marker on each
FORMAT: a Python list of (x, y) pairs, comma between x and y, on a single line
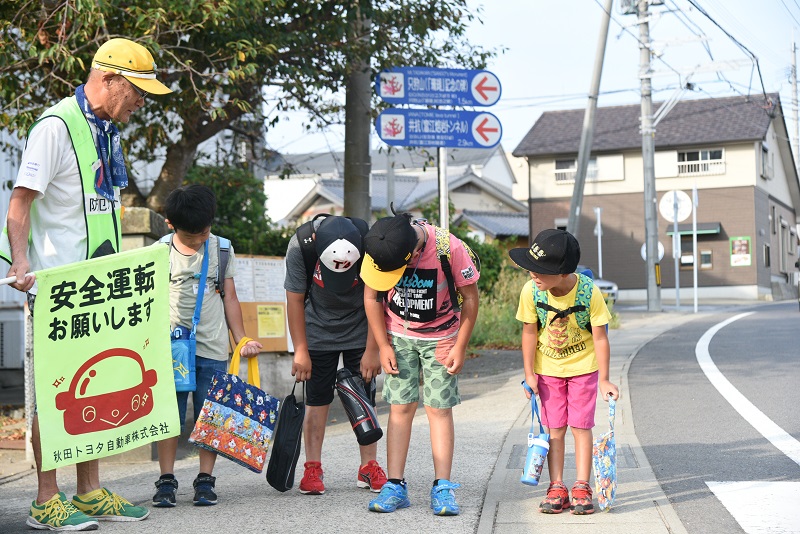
[(391, 497), (443, 500)]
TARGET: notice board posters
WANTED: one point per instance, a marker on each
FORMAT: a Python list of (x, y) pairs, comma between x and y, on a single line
[(259, 286)]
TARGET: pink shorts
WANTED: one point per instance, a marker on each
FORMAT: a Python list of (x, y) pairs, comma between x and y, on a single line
[(568, 401)]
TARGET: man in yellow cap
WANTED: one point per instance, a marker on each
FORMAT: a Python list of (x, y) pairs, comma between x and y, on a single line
[(73, 169)]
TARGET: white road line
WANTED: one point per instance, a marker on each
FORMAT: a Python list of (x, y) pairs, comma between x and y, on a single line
[(782, 440), (753, 505)]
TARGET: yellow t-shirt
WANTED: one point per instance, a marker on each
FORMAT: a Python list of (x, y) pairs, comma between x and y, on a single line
[(563, 349)]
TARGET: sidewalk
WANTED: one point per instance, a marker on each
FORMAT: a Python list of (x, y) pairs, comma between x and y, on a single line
[(492, 424), (641, 506)]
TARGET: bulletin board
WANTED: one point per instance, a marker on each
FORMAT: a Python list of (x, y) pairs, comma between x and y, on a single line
[(259, 286)]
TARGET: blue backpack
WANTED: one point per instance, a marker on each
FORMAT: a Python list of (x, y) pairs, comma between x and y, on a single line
[(583, 299)]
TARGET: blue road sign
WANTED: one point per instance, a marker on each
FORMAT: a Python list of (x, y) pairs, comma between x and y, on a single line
[(438, 87), (440, 128)]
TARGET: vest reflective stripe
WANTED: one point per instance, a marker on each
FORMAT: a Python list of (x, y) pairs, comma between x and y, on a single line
[(101, 218)]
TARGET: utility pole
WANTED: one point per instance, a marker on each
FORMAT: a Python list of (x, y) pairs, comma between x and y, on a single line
[(648, 156), (573, 222), (796, 137), (389, 178), (444, 198), (358, 123)]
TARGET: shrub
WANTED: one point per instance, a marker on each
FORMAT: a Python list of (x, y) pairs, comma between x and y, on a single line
[(497, 326)]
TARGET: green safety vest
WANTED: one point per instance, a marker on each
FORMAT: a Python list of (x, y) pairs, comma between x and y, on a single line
[(101, 217)]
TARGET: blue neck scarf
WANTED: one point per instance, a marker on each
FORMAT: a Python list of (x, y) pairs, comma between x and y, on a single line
[(112, 173)]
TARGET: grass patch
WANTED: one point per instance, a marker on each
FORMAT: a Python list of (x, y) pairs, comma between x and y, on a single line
[(497, 326)]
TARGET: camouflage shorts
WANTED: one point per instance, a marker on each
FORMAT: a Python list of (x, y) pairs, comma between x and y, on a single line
[(440, 389)]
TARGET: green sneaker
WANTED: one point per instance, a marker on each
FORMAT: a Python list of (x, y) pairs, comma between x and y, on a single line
[(59, 514), (109, 506)]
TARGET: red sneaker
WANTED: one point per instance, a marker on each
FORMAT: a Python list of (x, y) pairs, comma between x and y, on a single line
[(582, 498), (311, 483), (371, 476), (557, 499)]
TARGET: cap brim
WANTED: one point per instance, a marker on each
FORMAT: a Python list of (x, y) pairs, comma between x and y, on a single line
[(522, 257), (151, 85), (337, 282), (377, 279)]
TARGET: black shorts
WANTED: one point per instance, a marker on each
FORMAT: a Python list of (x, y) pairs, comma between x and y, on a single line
[(319, 389)]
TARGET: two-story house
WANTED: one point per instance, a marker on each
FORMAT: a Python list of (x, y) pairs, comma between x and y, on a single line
[(735, 150)]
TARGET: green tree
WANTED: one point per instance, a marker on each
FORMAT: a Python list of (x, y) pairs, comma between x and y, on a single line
[(240, 210), (224, 57)]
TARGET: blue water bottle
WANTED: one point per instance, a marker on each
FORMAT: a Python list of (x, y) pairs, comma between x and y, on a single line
[(538, 445)]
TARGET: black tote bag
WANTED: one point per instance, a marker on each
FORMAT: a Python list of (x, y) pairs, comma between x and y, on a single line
[(286, 442)]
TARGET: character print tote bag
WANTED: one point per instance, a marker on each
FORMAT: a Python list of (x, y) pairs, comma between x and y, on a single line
[(237, 419), (604, 459)]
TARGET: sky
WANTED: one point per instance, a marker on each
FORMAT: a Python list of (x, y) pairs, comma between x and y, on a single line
[(546, 56)]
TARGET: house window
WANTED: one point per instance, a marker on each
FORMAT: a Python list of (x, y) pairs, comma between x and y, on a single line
[(766, 162), (566, 169), (784, 247), (701, 162), (687, 260), (705, 259), (767, 261), (470, 189)]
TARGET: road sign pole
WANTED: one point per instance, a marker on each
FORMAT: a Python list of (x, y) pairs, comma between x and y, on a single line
[(444, 203), (676, 250)]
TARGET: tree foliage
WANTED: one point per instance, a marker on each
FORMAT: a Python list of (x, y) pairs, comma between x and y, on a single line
[(223, 58), (240, 210), (492, 255)]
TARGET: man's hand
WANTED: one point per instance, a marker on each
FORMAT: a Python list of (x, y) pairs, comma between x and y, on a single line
[(301, 367), (19, 269)]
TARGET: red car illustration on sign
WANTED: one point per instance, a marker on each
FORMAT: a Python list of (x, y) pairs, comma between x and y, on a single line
[(88, 407)]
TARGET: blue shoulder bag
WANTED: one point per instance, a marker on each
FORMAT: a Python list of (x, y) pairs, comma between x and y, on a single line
[(184, 342)]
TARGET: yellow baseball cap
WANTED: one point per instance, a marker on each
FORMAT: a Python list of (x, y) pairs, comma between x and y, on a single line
[(131, 60)]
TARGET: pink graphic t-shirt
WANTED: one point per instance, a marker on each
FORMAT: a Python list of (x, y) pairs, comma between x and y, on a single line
[(419, 305)]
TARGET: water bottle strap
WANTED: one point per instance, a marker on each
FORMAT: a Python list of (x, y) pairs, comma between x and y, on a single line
[(535, 415)]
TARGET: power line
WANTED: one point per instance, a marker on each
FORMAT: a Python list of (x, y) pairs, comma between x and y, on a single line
[(732, 38), (789, 11)]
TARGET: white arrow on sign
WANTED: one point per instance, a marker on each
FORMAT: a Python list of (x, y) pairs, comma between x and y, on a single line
[(486, 129), (485, 88)]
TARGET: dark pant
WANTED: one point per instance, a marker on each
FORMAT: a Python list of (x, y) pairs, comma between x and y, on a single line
[(205, 369), (319, 389)]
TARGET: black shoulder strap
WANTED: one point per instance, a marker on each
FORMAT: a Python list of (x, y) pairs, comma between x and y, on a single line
[(305, 238), (451, 285), (223, 253), (306, 242)]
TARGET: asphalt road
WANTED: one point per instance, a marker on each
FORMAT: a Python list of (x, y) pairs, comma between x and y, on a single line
[(693, 435)]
